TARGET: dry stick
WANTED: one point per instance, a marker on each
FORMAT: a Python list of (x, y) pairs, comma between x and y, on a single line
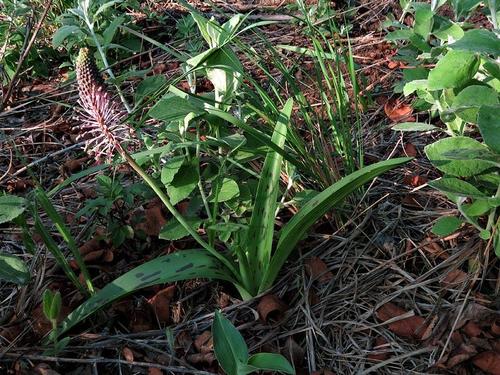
[(25, 53)]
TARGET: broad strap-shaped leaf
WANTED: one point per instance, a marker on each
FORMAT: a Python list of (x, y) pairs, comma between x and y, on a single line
[(259, 240), (11, 206), (181, 265), (314, 209), (229, 346)]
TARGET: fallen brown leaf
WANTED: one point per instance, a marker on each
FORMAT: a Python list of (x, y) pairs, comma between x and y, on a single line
[(495, 327), (454, 277), (201, 358), (128, 354), (397, 111), (204, 343), (318, 270), (154, 371), (271, 308), (461, 354), (488, 362), (412, 326), (154, 221), (160, 303), (410, 150), (471, 329), (293, 352), (44, 369)]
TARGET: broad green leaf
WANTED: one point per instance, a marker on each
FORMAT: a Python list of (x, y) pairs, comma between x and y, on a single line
[(11, 207), (436, 152), (414, 127), (261, 229), (446, 225), (149, 86), (229, 346), (55, 306), (171, 108), (173, 230), (184, 182), (478, 40), (485, 155), (271, 362), (445, 29), (411, 87), (458, 187), (228, 190), (404, 34), (170, 169), (466, 104), (13, 269), (477, 208), (47, 302), (181, 265), (455, 69), (110, 31), (105, 6), (423, 20), (63, 33), (315, 208), (489, 125)]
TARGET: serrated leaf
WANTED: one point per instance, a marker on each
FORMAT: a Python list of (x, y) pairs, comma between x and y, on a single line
[(229, 346), (455, 69), (436, 152), (11, 207), (173, 230), (13, 270), (446, 225)]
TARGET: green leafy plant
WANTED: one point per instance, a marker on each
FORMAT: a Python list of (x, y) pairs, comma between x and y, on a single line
[(463, 89), (232, 352), (52, 309)]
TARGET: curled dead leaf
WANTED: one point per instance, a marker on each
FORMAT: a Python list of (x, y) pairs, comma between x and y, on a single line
[(204, 343), (318, 270), (414, 180), (495, 327), (154, 220), (454, 278), (271, 308), (410, 150), (488, 361), (461, 354), (397, 111), (128, 354), (93, 256), (471, 329), (411, 326), (160, 303)]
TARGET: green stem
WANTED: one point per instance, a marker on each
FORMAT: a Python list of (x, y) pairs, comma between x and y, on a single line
[(176, 214)]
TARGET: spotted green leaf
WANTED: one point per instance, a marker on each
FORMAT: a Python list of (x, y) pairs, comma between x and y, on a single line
[(181, 265)]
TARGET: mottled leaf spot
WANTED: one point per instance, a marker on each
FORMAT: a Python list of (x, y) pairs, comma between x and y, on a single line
[(186, 267)]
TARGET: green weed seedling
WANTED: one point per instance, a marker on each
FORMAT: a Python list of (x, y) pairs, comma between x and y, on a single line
[(232, 352), (51, 310)]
